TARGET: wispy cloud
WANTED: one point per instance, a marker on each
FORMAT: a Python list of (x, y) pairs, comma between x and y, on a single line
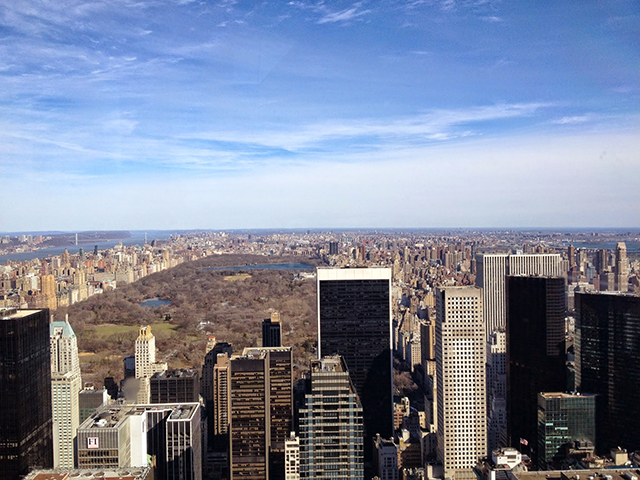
[(433, 126), (344, 15), (572, 120)]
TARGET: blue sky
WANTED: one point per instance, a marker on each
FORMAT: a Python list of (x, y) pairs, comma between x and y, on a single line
[(140, 114)]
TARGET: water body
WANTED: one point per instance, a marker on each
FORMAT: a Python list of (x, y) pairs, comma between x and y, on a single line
[(136, 238), (268, 266), (154, 302), (632, 247)]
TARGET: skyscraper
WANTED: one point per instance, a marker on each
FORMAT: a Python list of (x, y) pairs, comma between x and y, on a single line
[(497, 390), (25, 392), (354, 320), (622, 268), (220, 404), (271, 335), (536, 354), (608, 364), (460, 377), (65, 389), (331, 436), (492, 270), (146, 364), (261, 402), (213, 350)]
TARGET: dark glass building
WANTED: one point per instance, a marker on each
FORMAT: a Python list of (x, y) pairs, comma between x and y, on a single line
[(175, 386), (26, 436), (271, 336), (354, 321), (536, 357), (608, 364), (206, 382)]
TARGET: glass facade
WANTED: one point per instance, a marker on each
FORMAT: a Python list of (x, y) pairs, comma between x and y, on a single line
[(536, 356), (355, 322), (26, 435), (562, 420), (608, 364), (331, 431)]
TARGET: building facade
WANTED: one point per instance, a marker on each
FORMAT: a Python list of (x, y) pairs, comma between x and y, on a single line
[(66, 384), (146, 365), (26, 435), (536, 357), (460, 377), (331, 424), (175, 386), (492, 270), (271, 334), (563, 420), (354, 321), (261, 412), (608, 364)]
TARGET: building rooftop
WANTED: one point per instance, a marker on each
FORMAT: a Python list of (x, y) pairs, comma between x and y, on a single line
[(260, 352), (127, 473), (113, 415), (593, 474), (178, 373), (328, 364), (11, 313), (549, 395)]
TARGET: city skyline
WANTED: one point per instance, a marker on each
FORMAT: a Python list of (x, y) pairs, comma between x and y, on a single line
[(181, 114)]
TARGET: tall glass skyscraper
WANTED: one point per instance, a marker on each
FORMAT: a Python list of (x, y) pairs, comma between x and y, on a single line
[(354, 321), (608, 363), (26, 439), (536, 357), (331, 441)]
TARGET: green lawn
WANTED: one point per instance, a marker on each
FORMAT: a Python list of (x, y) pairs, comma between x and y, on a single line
[(107, 330)]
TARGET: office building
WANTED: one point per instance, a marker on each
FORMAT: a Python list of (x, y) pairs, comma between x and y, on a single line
[(331, 424), (566, 423), (608, 364), (271, 335), (221, 403), (461, 379), (175, 386), (26, 438), (213, 350), (497, 390), (121, 436), (113, 437), (492, 270), (90, 400), (535, 351), (292, 457), (354, 321), (65, 389), (622, 268), (146, 365), (261, 406)]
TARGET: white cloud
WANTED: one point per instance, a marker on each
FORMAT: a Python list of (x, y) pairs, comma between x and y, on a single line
[(343, 15), (572, 120)]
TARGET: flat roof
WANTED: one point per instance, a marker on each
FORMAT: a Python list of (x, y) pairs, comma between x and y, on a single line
[(596, 474), (354, 273), (8, 313), (125, 473), (565, 395)]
